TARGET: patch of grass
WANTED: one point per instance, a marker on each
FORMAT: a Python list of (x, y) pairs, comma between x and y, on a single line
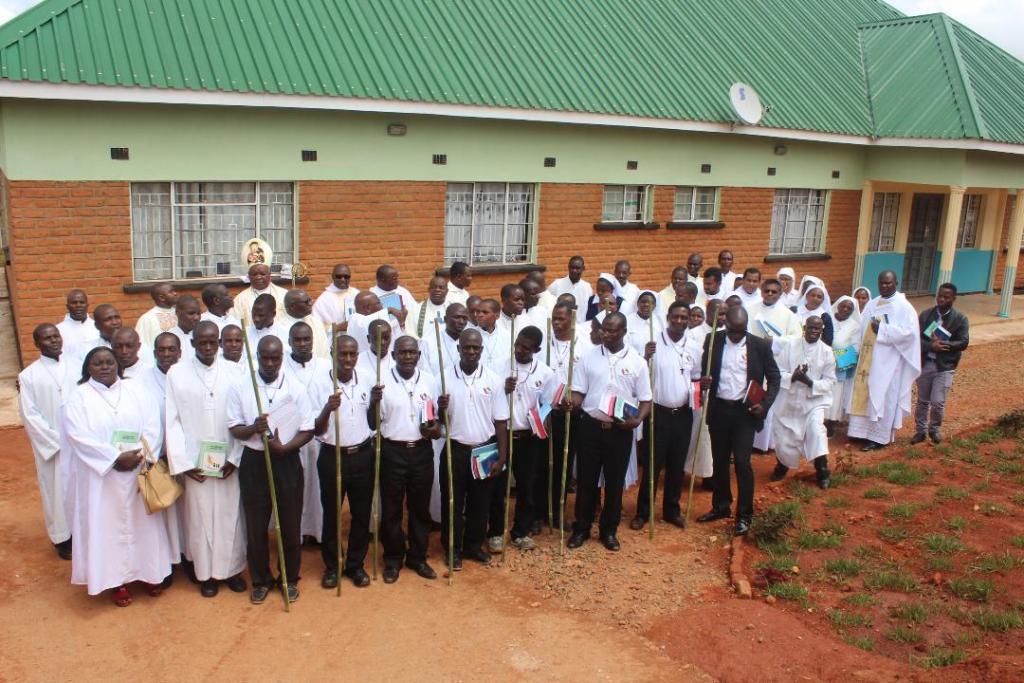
[(1008, 467), (940, 657), (903, 510), (771, 525), (951, 493), (774, 548), (971, 457), (995, 562), (802, 491), (837, 502), (913, 453), (990, 435), (1017, 498), (982, 486), (810, 540), (782, 563), (839, 480), (865, 643), (901, 473), (1017, 541), (904, 634), (787, 591), (833, 527), (843, 567), (876, 493), (940, 544), (965, 638), (890, 580), (860, 600), (992, 509), (864, 471), (939, 563), (972, 588), (867, 552), (956, 523), (892, 534), (844, 620), (910, 611), (1000, 622)]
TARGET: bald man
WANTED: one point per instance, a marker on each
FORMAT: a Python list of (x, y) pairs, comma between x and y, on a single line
[(298, 308), (368, 309), (161, 317), (387, 285), (219, 303), (259, 283)]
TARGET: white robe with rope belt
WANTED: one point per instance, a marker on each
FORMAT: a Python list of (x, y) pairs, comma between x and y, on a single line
[(799, 425)]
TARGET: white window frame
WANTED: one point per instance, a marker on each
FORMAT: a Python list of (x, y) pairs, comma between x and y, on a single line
[(173, 194), (643, 212), (531, 227), (968, 239), (885, 210), (686, 213), (782, 204)]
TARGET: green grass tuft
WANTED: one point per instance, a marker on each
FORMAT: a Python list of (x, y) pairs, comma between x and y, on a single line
[(843, 567), (1000, 622), (860, 600), (903, 510), (865, 643), (787, 591), (992, 509), (940, 544), (995, 562), (839, 480), (810, 540), (904, 634), (890, 580), (892, 534), (867, 552), (971, 588), (802, 491), (939, 563), (782, 562), (901, 473), (940, 657), (876, 493), (844, 620), (910, 611), (837, 502), (956, 523), (951, 493)]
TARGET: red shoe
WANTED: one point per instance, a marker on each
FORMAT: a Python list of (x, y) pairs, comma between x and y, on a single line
[(122, 597), (154, 589)]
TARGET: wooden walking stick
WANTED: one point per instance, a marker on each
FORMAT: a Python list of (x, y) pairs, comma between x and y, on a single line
[(651, 484), (270, 471), (511, 439), (448, 460), (551, 449), (376, 473), (565, 450), (705, 394), (337, 450)]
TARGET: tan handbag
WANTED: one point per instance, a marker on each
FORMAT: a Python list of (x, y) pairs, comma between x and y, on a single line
[(158, 488)]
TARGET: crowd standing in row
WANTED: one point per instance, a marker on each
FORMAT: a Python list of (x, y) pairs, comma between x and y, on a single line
[(783, 367)]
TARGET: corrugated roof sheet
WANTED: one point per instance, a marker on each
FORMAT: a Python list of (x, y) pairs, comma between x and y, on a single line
[(661, 59)]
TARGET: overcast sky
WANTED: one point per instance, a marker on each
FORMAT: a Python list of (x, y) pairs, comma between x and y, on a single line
[(1001, 21)]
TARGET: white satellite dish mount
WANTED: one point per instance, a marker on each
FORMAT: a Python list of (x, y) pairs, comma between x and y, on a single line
[(746, 103)]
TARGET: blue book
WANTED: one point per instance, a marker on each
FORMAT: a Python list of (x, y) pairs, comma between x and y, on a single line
[(481, 458), (391, 300)]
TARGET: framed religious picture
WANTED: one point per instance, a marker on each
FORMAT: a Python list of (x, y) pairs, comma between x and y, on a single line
[(256, 251)]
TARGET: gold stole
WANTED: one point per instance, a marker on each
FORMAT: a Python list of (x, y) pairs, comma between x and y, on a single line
[(859, 404)]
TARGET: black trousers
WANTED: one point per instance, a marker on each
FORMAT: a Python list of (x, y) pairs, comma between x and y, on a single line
[(671, 442), (540, 488), (256, 506), (527, 453), (607, 451), (732, 430), (406, 476), (472, 500), (357, 484)]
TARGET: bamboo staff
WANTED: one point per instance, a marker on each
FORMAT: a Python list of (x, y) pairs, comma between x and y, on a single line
[(376, 473), (270, 470), (511, 439), (551, 448), (565, 450), (337, 450), (705, 394), (651, 484), (448, 456)]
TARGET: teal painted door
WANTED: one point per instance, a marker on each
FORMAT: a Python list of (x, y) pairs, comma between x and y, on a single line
[(925, 220)]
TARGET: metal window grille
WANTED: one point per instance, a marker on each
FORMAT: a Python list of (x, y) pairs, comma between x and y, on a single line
[(884, 213), (489, 223), (624, 204), (798, 222), (695, 203), (197, 229), (970, 215)]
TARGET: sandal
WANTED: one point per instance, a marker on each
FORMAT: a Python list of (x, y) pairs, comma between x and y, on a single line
[(122, 596), (154, 589)]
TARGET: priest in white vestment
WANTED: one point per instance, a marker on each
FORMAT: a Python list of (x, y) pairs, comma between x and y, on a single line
[(298, 307), (336, 303), (77, 327), (160, 318), (42, 388), (420, 322), (770, 319), (128, 350), (259, 283)]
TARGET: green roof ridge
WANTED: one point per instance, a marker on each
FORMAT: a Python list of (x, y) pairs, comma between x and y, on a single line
[(960, 80)]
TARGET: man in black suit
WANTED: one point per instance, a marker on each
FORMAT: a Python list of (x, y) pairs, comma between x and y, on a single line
[(739, 358)]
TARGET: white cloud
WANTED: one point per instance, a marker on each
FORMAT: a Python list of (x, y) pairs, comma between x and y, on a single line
[(998, 20), (12, 8)]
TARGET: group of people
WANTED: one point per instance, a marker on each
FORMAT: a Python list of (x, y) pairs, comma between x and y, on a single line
[(448, 391)]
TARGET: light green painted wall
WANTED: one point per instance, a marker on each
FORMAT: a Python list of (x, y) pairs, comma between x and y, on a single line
[(986, 169), (910, 165)]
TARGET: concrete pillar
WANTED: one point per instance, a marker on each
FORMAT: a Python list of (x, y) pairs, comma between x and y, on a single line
[(867, 203), (1012, 254), (949, 232)]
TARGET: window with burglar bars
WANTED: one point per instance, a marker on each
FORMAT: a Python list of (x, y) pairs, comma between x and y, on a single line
[(884, 213), (970, 215), (798, 222), (695, 203), (624, 204), (489, 223), (197, 229)]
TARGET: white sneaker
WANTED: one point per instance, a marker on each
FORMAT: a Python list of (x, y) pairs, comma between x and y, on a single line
[(524, 543), (495, 544)]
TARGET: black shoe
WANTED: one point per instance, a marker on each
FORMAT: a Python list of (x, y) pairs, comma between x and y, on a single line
[(824, 483), (779, 473), (637, 523), (209, 588), (742, 527), (610, 542), (168, 580), (706, 484), (872, 446), (677, 521), (63, 549), (329, 579), (713, 516), (359, 577), (236, 584), (917, 438), (935, 437), (259, 594), (390, 574), (477, 555), (293, 592), (457, 562), (422, 569), (190, 571), (536, 527), (577, 539)]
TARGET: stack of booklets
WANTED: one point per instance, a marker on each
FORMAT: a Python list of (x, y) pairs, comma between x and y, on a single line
[(937, 331), (768, 328), (559, 395), (481, 458), (429, 413), (536, 418), (618, 408)]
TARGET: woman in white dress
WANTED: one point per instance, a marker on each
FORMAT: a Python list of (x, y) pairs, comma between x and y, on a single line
[(846, 324), (699, 453)]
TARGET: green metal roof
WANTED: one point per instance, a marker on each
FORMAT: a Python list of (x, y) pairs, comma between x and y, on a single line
[(655, 59)]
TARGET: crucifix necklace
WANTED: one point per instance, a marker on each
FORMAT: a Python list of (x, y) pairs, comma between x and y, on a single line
[(410, 389)]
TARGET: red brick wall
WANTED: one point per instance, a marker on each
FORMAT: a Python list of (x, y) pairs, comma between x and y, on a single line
[(1001, 252)]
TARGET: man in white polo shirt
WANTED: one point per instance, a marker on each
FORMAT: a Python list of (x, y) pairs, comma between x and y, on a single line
[(609, 371), (574, 284), (477, 415)]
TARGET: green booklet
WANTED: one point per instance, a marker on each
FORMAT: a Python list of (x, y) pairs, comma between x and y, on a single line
[(124, 440), (212, 456)]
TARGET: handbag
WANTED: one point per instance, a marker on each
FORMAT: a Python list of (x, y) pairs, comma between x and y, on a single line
[(158, 488)]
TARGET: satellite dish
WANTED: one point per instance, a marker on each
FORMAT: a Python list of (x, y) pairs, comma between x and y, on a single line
[(746, 103)]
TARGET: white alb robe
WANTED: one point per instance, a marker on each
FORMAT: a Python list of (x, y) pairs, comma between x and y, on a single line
[(196, 411), (844, 335), (321, 340), (221, 321), (784, 320), (456, 295), (334, 306), (116, 542), (629, 293), (359, 324), (750, 301), (154, 321), (185, 339), (420, 321), (75, 333), (581, 291), (44, 384), (244, 300), (895, 365), (799, 422), (312, 509), (137, 369)]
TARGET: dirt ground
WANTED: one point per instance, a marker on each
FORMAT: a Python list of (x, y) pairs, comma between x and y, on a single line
[(653, 612)]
